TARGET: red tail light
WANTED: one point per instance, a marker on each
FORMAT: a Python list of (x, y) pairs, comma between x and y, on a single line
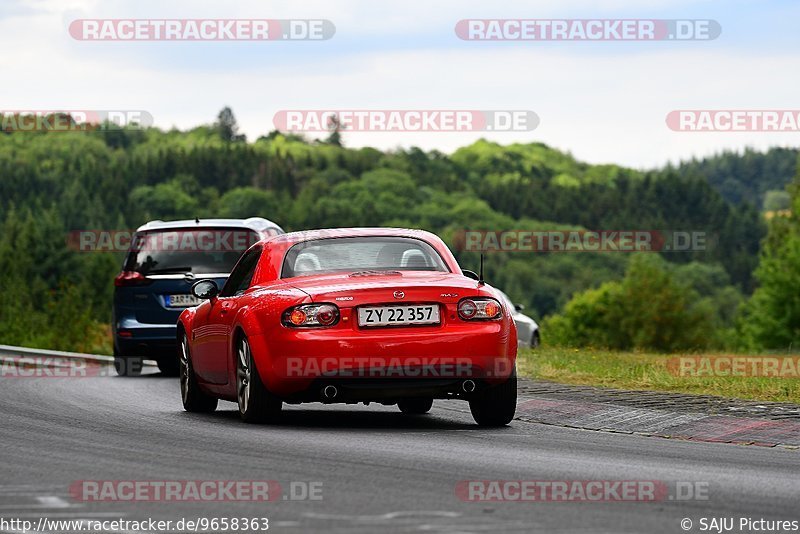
[(311, 315), (130, 278), (477, 309), (327, 314), (467, 309)]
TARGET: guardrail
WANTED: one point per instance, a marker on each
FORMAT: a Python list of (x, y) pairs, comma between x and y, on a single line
[(20, 352), (9, 352)]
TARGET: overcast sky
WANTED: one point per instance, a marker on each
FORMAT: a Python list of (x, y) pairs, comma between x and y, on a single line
[(605, 102)]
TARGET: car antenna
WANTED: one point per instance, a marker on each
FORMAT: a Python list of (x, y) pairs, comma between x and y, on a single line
[(197, 220), (480, 273)]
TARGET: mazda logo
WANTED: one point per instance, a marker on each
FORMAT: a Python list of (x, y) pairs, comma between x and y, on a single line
[(399, 295)]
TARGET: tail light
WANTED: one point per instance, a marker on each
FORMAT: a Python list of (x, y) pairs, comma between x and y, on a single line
[(479, 309), (130, 278), (311, 315)]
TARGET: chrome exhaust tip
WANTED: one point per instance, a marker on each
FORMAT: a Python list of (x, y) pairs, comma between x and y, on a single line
[(329, 392), (468, 386)]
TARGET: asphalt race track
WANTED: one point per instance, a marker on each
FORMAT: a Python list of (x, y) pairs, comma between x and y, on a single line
[(380, 470)]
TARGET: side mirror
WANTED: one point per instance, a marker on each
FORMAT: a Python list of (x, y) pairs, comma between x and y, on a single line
[(519, 307), (470, 274), (205, 289)]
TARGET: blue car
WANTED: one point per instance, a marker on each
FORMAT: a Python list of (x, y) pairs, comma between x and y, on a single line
[(164, 260)]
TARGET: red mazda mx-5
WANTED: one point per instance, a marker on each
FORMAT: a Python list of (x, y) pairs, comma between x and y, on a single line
[(349, 315)]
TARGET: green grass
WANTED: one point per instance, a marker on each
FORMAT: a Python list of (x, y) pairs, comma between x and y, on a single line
[(646, 371)]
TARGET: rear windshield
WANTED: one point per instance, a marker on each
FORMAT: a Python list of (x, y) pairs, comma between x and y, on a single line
[(353, 254), (200, 251)]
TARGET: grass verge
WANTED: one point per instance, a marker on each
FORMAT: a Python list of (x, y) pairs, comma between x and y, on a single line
[(647, 371)]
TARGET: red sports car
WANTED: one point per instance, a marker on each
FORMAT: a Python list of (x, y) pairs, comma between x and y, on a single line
[(349, 315)]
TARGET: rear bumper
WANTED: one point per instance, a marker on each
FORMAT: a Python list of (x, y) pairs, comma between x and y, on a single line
[(132, 338), (384, 390), (384, 363)]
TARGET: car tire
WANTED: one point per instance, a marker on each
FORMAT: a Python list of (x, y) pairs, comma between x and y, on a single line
[(194, 399), (130, 366), (415, 406), (495, 405), (256, 404)]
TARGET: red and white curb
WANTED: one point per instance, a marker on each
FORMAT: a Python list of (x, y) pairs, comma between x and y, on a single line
[(662, 423)]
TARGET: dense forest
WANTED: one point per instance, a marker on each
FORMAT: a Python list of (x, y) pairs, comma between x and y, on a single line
[(53, 183), (758, 178)]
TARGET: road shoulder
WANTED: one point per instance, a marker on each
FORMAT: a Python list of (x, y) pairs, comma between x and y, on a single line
[(668, 415)]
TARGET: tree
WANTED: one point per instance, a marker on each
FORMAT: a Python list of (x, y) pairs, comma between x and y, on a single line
[(649, 309), (226, 126), (777, 200), (335, 127), (164, 201), (244, 202), (771, 319)]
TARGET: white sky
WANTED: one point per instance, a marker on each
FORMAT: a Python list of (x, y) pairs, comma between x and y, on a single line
[(603, 102)]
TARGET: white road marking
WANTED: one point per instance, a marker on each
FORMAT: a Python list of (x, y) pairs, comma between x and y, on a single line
[(383, 517), (52, 501)]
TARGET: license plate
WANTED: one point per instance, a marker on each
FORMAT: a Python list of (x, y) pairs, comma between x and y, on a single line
[(398, 315), (181, 301)]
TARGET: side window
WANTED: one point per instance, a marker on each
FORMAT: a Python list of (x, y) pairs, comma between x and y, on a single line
[(242, 274)]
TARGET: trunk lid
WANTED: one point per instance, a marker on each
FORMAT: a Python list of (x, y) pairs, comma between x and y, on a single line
[(354, 289)]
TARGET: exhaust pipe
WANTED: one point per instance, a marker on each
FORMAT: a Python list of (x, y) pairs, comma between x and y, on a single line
[(468, 386), (329, 392)]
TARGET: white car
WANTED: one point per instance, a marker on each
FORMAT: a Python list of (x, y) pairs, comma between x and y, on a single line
[(527, 328)]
